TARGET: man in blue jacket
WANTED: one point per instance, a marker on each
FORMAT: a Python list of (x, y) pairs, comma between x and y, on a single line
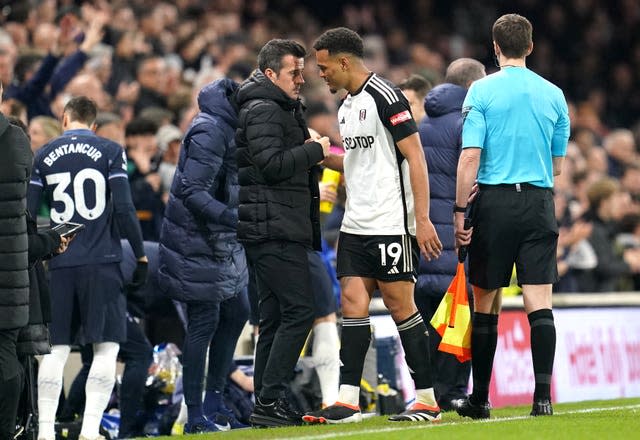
[(440, 133), (201, 261)]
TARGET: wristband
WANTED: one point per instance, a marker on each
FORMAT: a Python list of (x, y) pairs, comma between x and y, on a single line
[(457, 208)]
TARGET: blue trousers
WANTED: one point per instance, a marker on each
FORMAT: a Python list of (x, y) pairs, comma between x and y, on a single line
[(216, 327)]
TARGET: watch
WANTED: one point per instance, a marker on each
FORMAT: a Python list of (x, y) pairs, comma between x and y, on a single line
[(457, 208)]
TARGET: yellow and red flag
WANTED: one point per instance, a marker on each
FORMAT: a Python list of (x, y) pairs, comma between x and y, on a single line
[(452, 319)]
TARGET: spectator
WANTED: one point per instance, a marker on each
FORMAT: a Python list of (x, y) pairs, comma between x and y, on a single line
[(169, 139), (415, 88), (613, 266), (42, 129), (150, 76), (146, 186), (207, 269), (110, 126), (89, 274), (278, 218), (441, 137)]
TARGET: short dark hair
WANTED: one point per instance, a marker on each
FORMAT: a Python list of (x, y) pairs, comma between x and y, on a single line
[(81, 109), (271, 54), (417, 83), (463, 71), (141, 127), (340, 40), (514, 34)]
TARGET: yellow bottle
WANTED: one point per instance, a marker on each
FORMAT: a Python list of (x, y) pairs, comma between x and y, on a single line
[(332, 177)]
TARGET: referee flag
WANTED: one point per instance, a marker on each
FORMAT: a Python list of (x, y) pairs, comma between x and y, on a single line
[(452, 319)]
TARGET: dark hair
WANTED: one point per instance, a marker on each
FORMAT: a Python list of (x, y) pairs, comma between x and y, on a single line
[(271, 54), (513, 33), (463, 71), (81, 109), (417, 83), (340, 40), (140, 127), (17, 122)]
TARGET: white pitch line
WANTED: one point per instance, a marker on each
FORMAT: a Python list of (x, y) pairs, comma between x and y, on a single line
[(443, 424)]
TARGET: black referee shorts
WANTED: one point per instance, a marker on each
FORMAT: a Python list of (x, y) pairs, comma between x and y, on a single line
[(513, 225)]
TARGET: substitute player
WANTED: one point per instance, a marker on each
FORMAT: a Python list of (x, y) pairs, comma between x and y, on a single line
[(84, 179), (386, 222)]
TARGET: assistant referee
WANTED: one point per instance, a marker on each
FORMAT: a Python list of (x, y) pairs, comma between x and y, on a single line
[(514, 139)]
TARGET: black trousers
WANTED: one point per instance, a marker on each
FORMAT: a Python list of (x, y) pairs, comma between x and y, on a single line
[(11, 382), (286, 308)]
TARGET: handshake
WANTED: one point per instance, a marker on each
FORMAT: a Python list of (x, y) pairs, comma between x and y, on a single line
[(322, 140)]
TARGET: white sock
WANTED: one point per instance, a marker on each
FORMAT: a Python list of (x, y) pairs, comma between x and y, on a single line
[(426, 397), (102, 377), (50, 375), (349, 394), (326, 358)]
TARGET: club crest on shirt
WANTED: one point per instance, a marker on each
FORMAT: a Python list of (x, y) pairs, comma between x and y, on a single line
[(363, 114), (399, 118)]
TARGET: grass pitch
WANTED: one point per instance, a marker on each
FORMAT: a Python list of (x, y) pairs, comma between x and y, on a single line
[(598, 420)]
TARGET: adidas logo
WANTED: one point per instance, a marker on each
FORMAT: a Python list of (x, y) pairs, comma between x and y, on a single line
[(342, 120), (393, 270)]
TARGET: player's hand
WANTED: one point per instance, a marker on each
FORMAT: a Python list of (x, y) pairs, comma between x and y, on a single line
[(326, 145), (64, 244), (139, 277), (328, 192), (428, 241)]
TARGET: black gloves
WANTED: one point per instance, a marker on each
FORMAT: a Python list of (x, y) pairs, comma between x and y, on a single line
[(139, 278)]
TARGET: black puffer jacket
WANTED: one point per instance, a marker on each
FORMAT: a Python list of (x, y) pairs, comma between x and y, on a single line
[(15, 169), (33, 338), (279, 197)]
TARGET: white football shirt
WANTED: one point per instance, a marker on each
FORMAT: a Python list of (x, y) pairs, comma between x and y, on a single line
[(379, 195)]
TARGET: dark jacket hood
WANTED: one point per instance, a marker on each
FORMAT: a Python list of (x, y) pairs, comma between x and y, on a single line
[(444, 98), (258, 86), (217, 99)]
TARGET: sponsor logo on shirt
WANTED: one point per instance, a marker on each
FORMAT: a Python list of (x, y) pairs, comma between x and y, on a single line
[(399, 118), (351, 143)]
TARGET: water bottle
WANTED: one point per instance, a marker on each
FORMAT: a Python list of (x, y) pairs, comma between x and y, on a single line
[(333, 178)]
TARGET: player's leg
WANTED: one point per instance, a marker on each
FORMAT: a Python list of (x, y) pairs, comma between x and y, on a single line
[(137, 355), (326, 342), (103, 312), (357, 266), (64, 320), (398, 298)]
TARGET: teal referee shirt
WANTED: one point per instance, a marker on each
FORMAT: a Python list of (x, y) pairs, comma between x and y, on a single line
[(520, 120)]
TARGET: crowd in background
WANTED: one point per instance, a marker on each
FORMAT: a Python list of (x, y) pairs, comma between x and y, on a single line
[(144, 62)]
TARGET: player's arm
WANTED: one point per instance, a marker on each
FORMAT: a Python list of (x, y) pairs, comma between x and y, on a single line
[(35, 189), (426, 235), (124, 210), (334, 161), (125, 214), (277, 161)]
